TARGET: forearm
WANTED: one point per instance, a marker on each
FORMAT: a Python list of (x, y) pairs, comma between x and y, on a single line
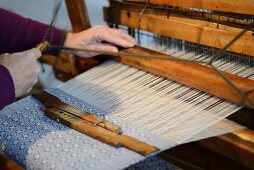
[(18, 33), (7, 91)]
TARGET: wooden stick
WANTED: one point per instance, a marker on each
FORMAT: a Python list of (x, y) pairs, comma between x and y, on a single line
[(238, 146), (193, 156), (235, 6), (91, 125), (100, 133), (193, 30), (114, 139), (191, 74), (51, 101)]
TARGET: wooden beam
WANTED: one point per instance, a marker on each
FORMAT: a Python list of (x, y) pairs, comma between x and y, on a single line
[(78, 15), (193, 30), (238, 146), (234, 6), (195, 157), (211, 17), (190, 74)]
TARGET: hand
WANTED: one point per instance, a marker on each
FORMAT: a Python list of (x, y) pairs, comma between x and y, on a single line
[(94, 38), (24, 68)]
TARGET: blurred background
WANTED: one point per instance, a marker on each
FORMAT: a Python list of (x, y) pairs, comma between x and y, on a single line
[(41, 10)]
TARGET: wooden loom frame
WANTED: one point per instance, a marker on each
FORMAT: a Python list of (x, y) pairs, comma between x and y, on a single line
[(237, 147), (238, 6)]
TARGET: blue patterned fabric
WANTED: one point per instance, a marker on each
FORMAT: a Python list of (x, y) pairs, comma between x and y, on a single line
[(38, 142), (21, 124), (153, 163)]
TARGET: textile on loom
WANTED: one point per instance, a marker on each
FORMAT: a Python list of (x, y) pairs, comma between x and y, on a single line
[(37, 142)]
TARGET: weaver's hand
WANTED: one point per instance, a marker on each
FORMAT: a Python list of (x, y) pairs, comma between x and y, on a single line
[(23, 68), (99, 38)]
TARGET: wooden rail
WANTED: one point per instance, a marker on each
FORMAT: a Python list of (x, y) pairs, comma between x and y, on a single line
[(191, 74), (192, 156), (235, 6), (193, 30), (238, 146)]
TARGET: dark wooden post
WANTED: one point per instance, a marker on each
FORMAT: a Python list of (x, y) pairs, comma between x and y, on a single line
[(78, 15)]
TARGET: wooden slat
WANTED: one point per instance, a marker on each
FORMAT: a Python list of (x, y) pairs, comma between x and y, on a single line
[(191, 74), (238, 146), (211, 17), (192, 156), (91, 125), (51, 101), (100, 133), (234, 6), (193, 30), (78, 15)]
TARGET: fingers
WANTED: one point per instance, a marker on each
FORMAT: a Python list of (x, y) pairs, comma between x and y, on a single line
[(93, 39), (26, 76), (24, 69), (128, 37), (116, 37), (33, 53), (103, 47)]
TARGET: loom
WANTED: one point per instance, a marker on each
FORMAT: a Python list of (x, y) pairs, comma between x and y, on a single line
[(192, 28), (168, 103)]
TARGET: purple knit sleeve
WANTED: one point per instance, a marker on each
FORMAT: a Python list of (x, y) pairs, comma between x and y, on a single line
[(7, 92), (20, 34)]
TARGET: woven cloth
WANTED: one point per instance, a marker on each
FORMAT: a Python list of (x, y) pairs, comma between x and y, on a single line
[(37, 142)]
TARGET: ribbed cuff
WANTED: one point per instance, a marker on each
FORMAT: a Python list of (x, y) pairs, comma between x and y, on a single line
[(7, 90)]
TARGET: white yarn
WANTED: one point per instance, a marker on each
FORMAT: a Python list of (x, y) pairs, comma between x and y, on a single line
[(150, 108), (163, 107)]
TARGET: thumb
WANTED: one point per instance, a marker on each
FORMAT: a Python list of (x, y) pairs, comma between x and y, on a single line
[(33, 53)]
